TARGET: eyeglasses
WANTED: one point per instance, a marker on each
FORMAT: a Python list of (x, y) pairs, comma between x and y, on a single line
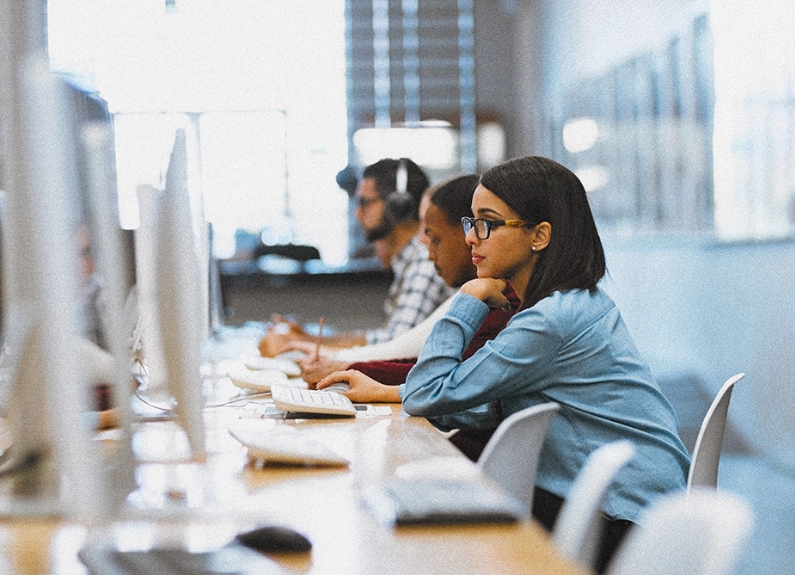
[(483, 227), (363, 202)]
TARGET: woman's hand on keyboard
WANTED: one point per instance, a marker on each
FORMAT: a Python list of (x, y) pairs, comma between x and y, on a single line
[(363, 389)]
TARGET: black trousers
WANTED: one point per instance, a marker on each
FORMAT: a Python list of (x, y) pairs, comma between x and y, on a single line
[(546, 507)]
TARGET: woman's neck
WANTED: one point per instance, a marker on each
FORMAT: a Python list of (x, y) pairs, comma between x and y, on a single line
[(521, 279)]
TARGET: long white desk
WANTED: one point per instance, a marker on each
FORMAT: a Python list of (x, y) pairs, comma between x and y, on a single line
[(204, 504)]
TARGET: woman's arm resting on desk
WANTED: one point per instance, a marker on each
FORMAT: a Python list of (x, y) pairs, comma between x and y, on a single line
[(362, 388)]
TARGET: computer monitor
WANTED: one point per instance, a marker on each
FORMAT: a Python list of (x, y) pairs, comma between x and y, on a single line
[(52, 464), (181, 298), (170, 291), (215, 295), (119, 315)]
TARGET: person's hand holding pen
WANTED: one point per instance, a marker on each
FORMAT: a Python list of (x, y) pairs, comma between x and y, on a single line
[(272, 344), (316, 352), (314, 366)]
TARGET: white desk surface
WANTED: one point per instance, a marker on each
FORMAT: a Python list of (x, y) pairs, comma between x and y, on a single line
[(202, 505)]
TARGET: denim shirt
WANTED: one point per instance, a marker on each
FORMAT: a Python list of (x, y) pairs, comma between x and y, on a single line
[(572, 348)]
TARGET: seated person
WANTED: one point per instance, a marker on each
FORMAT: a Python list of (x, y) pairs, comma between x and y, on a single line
[(568, 343), (92, 345), (441, 210), (90, 297), (388, 196), (447, 248)]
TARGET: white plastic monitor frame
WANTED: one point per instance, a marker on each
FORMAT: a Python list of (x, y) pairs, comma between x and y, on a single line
[(49, 394), (173, 309)]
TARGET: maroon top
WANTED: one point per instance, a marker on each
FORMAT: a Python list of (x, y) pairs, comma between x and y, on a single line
[(394, 371)]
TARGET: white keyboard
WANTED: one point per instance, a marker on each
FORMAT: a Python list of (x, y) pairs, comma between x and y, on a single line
[(257, 362), (235, 559), (257, 380), (297, 400), (282, 444)]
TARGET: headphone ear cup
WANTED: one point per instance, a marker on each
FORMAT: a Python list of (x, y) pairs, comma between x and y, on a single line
[(400, 203), (399, 206)]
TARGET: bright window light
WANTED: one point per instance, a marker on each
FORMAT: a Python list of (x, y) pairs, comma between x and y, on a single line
[(580, 134), (492, 145), (753, 140), (434, 146), (593, 178), (205, 59)]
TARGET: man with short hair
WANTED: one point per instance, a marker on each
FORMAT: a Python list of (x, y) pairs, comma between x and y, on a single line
[(388, 198)]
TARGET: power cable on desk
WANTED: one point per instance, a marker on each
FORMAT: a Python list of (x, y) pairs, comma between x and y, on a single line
[(236, 399), (239, 398)]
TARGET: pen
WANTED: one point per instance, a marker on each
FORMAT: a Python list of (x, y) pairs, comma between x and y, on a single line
[(319, 339)]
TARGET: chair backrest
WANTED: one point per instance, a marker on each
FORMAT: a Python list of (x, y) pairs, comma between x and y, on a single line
[(511, 456), (576, 532), (706, 453), (700, 533)]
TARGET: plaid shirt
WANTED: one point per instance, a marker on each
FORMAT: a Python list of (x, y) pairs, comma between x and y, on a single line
[(415, 292)]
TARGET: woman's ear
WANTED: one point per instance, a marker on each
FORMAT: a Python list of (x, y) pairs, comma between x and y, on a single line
[(542, 234)]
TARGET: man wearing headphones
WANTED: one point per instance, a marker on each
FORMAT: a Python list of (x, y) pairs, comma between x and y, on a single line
[(388, 198)]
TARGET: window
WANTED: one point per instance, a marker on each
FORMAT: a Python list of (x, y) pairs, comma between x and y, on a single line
[(261, 86), (639, 137), (697, 135), (410, 63), (754, 118)]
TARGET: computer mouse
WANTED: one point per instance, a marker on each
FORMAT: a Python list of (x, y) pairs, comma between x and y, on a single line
[(337, 386), (274, 539)]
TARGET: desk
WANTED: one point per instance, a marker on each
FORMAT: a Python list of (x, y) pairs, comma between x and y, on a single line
[(224, 495)]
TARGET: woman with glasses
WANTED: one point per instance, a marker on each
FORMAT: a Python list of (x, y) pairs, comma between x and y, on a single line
[(533, 230)]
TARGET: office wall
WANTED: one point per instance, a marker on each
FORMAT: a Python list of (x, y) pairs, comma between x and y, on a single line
[(554, 43), (586, 37), (698, 310), (704, 311)]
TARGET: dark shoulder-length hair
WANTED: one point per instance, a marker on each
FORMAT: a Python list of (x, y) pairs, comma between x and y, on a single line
[(454, 197), (541, 190)]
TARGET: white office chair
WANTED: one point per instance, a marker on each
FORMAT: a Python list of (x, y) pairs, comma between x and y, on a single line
[(700, 533), (576, 532), (511, 456), (706, 453)]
